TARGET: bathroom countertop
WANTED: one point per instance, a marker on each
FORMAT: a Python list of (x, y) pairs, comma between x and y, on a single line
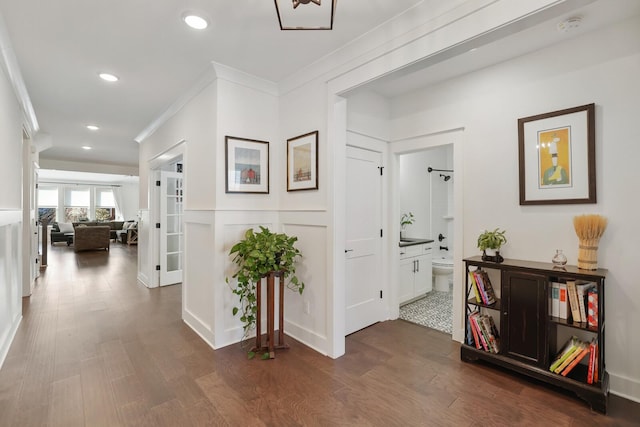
[(410, 241)]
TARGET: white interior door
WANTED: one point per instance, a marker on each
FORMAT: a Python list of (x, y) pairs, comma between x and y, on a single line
[(171, 238), (364, 240)]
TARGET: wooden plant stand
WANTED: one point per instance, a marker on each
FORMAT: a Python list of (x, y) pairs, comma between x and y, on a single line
[(270, 344)]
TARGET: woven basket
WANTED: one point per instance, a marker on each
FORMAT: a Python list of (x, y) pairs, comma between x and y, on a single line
[(588, 254)]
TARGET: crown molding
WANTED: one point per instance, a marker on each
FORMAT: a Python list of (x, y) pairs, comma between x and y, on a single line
[(12, 71)]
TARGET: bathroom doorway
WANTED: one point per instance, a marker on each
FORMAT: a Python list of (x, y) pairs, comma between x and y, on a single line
[(426, 190)]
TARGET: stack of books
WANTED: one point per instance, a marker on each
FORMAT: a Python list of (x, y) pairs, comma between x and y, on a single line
[(572, 353), (482, 288), (575, 300), (483, 332)]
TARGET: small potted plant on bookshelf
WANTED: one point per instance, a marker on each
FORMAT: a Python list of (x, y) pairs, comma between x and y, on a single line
[(406, 219), (490, 242), (255, 257)]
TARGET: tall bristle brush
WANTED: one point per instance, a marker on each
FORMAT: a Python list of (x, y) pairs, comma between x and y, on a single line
[(589, 229)]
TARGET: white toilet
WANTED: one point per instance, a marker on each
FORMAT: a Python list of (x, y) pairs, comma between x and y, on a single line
[(442, 274)]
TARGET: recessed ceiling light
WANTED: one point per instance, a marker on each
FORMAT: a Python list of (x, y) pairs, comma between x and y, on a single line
[(196, 22), (108, 77), (92, 127), (86, 147)]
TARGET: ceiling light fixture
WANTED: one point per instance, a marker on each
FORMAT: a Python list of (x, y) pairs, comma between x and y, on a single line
[(92, 127), (108, 77), (317, 16), (86, 147), (194, 21)]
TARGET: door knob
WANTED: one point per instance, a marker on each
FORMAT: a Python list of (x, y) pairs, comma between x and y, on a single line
[(348, 250)]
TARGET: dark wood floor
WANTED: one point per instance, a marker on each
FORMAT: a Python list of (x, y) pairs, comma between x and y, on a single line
[(95, 348)]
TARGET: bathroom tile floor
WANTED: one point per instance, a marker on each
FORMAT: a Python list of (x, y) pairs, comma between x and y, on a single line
[(433, 311)]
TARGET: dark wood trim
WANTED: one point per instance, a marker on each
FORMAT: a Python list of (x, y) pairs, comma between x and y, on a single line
[(591, 156)]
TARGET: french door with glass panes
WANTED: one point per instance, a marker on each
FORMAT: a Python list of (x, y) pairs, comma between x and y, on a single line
[(171, 235)]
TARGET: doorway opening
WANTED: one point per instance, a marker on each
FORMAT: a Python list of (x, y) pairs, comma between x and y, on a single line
[(426, 191)]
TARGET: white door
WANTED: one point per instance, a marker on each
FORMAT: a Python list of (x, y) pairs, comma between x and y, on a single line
[(35, 230), (364, 240), (171, 239)]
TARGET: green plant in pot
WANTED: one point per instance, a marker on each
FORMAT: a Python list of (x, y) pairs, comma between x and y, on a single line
[(490, 242), (405, 219), (255, 257)]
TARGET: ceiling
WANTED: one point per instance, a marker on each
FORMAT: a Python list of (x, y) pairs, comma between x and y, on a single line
[(62, 45)]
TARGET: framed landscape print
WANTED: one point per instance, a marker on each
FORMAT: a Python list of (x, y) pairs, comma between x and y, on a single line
[(302, 162), (246, 165), (557, 157)]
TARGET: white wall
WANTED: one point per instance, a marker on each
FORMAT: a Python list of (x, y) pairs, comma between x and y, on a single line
[(10, 216), (130, 200), (600, 67)]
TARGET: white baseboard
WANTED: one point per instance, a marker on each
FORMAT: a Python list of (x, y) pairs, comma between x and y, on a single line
[(199, 328), (626, 387), (4, 347), (306, 337)]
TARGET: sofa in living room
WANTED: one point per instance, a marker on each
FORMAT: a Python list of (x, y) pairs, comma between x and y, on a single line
[(91, 237), (61, 231)]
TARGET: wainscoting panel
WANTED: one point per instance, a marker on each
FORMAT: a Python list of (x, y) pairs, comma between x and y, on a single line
[(198, 286), (10, 278), (306, 314), (232, 227)]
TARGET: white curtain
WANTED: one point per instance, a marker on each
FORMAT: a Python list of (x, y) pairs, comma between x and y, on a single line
[(117, 198)]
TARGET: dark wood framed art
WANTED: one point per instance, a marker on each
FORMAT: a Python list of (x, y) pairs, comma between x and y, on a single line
[(302, 162), (557, 157), (246, 165)]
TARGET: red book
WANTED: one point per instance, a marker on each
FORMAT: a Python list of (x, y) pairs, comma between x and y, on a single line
[(595, 365), (592, 355)]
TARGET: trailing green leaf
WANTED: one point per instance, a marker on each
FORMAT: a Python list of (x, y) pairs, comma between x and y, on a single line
[(255, 256)]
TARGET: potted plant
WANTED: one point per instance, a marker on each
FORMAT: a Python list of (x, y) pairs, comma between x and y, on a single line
[(406, 219), (490, 242), (256, 256)]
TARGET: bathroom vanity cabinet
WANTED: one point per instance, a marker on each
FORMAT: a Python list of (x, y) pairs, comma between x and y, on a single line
[(415, 269)]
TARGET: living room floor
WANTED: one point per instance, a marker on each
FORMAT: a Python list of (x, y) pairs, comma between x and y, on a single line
[(97, 348)]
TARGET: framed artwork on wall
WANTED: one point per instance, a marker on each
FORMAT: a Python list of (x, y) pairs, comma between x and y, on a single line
[(246, 165), (557, 157), (302, 162)]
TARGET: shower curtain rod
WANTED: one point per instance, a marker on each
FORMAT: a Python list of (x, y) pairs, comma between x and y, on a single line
[(430, 169)]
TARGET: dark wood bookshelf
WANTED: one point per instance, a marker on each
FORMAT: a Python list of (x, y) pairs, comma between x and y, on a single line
[(528, 341)]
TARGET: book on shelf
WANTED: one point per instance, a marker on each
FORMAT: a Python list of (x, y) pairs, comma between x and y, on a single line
[(563, 302), (480, 285), (554, 298), (582, 290), (582, 353), (573, 300), (482, 279), (491, 293), (574, 353), (489, 325), (564, 353), (595, 363), (592, 365), (485, 332), (474, 285), (476, 337), (592, 307), (477, 333), (469, 336)]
